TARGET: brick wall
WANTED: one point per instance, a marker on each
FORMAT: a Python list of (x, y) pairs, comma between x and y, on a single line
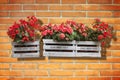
[(57, 11)]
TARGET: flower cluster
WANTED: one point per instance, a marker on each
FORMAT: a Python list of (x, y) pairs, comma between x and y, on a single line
[(71, 30), (24, 31), (104, 31)]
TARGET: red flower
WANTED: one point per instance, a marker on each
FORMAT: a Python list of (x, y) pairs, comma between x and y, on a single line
[(103, 43), (100, 37), (62, 36)]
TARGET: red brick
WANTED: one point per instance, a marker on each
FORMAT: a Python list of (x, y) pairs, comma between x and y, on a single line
[(99, 14), (13, 78), (116, 53), (3, 14), (36, 73), (50, 78), (61, 73), (61, 7), (110, 7), (99, 1), (49, 66), (21, 1), (24, 66), (86, 73), (4, 1), (10, 7), (99, 78), (4, 66), (116, 27), (35, 7), (61, 60), (3, 33), (111, 60), (86, 7), (111, 20), (29, 60), (4, 27), (116, 1), (116, 14), (4, 39), (21, 14), (73, 14), (5, 47), (10, 73), (115, 78), (7, 20), (99, 66), (73, 1), (4, 54), (110, 73), (48, 1), (73, 78), (116, 66), (48, 14), (73, 66), (6, 59)]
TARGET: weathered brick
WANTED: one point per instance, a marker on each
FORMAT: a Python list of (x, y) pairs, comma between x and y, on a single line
[(48, 14), (99, 66), (73, 66), (10, 7), (99, 14), (4, 53), (116, 53), (99, 1), (10, 73), (61, 73), (35, 7), (116, 1), (49, 66), (116, 66), (4, 39), (86, 7), (4, 14), (4, 1), (36, 73), (99, 78), (87, 73), (73, 1), (24, 66), (4, 66), (48, 1), (110, 7), (73, 14), (61, 7), (110, 73), (116, 14), (21, 14), (115, 78), (21, 1)]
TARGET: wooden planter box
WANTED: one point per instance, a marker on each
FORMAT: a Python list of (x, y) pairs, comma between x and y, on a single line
[(26, 50), (58, 49), (88, 49), (71, 49)]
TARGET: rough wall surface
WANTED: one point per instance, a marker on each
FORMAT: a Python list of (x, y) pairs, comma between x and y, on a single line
[(57, 11)]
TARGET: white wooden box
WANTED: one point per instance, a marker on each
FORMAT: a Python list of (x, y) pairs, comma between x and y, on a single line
[(88, 49), (71, 49), (58, 49), (26, 50)]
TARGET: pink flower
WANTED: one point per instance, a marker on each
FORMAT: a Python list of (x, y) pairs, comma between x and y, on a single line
[(62, 36), (84, 34), (44, 33)]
